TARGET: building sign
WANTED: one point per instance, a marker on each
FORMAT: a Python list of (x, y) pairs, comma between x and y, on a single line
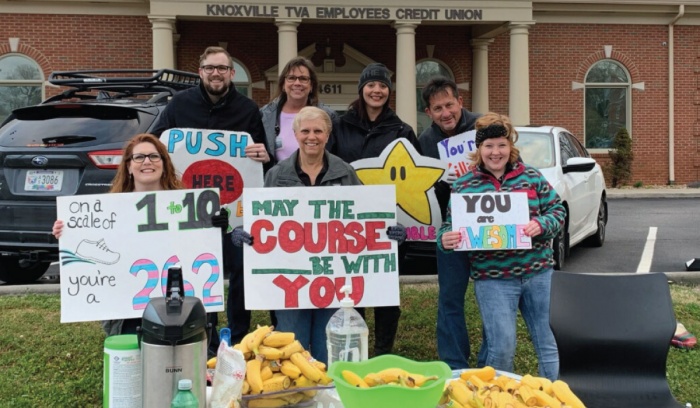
[(344, 13)]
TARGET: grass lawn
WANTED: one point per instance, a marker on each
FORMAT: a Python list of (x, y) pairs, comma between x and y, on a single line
[(45, 363)]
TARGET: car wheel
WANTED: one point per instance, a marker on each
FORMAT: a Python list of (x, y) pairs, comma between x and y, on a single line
[(15, 274), (598, 239), (560, 245)]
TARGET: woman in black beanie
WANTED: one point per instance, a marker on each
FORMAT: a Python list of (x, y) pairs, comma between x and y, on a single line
[(363, 132)]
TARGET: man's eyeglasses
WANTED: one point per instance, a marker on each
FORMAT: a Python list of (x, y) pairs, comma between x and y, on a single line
[(209, 69), (140, 158), (293, 78)]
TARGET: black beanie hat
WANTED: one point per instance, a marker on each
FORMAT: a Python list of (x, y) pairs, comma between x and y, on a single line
[(374, 72)]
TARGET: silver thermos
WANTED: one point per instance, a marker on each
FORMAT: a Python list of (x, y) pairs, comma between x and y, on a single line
[(173, 341)]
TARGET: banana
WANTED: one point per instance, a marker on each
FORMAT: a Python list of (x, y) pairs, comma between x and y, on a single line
[(306, 368), (246, 387), (545, 400), (373, 379), (257, 338), (391, 375), (289, 369), (278, 339), (267, 402), (265, 373), (269, 353), (253, 375), (291, 348), (531, 382), (546, 384), (487, 373), (243, 345), (274, 384), (211, 363), (419, 380), (303, 382), (475, 383), (293, 398), (526, 396), (354, 379), (459, 392), (562, 391)]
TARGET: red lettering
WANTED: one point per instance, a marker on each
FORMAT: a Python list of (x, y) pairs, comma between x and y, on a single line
[(288, 244), (260, 245), (318, 286), (291, 289), (320, 244), (354, 230), (372, 236), (336, 237)]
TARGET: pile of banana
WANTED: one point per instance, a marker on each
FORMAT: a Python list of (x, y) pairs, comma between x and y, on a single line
[(277, 362), (481, 388), (388, 376)]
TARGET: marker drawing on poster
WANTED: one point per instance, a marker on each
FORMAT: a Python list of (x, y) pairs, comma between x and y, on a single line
[(491, 221), (115, 251), (310, 242), (414, 175), (215, 158)]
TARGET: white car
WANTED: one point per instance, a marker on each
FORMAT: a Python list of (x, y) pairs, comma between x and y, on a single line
[(576, 177)]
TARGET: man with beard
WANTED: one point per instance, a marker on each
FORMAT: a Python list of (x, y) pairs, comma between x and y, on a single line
[(215, 104)]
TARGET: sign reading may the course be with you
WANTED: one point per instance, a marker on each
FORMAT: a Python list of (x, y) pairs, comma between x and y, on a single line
[(115, 251), (491, 221), (311, 241)]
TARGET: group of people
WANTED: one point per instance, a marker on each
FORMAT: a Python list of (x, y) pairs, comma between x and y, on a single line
[(301, 142)]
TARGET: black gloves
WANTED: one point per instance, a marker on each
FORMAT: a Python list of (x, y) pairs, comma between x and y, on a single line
[(240, 237), (397, 233), (220, 219)]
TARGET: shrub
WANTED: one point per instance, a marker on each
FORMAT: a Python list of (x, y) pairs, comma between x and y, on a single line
[(621, 157)]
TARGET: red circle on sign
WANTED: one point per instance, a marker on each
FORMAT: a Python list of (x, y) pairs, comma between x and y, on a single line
[(217, 174)]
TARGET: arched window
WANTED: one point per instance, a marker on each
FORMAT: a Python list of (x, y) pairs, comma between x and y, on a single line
[(21, 81), (242, 79), (607, 103), (425, 70)]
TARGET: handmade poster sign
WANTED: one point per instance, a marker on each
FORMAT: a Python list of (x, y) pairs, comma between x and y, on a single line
[(215, 158), (414, 175), (115, 251), (455, 151), (491, 221), (311, 241)]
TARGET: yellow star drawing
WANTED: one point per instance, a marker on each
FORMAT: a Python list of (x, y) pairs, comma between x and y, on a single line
[(412, 181)]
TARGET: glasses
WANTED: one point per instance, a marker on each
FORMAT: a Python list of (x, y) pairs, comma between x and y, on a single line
[(140, 158), (209, 69), (302, 79)]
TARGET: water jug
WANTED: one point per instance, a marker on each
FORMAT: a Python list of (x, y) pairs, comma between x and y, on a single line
[(173, 340), (347, 332)]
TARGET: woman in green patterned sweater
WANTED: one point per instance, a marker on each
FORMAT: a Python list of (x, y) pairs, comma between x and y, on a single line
[(510, 279)]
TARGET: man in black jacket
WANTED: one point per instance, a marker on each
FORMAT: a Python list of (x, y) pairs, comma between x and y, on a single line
[(215, 104), (450, 118)]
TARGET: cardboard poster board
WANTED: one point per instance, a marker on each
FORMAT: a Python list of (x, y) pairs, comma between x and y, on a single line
[(491, 221), (311, 241), (215, 158), (115, 251), (455, 151), (414, 176)]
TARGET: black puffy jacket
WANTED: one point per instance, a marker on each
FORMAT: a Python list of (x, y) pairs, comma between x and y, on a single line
[(352, 139)]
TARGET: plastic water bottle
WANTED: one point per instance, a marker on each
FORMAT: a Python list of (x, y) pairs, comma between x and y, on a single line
[(347, 335), (184, 397)]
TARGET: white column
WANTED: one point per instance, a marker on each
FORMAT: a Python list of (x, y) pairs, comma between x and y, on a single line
[(519, 97), (480, 75), (406, 72), (287, 40), (163, 44)]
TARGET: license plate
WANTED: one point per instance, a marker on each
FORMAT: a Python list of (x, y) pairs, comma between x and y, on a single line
[(43, 180)]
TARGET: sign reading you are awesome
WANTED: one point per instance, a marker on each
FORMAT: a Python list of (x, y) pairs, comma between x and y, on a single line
[(491, 221), (115, 251), (311, 241)]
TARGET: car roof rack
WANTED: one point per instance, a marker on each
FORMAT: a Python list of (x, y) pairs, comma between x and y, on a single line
[(125, 81)]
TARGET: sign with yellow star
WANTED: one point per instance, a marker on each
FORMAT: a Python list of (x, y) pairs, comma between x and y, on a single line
[(414, 176)]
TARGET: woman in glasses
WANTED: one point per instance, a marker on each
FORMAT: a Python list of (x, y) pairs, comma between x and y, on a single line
[(297, 87), (145, 166)]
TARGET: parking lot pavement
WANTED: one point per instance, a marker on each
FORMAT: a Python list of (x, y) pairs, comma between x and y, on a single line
[(660, 192)]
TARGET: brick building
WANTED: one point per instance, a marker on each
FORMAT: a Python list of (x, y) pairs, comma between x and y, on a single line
[(591, 66)]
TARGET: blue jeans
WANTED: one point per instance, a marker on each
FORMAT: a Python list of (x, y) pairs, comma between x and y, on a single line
[(452, 335), (309, 327), (499, 301)]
